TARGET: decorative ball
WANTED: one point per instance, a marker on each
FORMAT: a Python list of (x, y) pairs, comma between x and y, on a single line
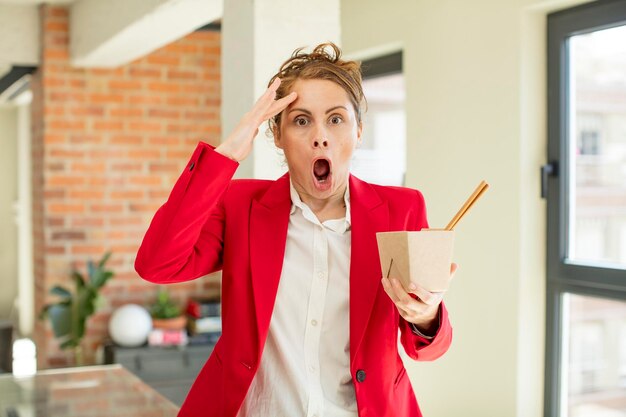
[(130, 325)]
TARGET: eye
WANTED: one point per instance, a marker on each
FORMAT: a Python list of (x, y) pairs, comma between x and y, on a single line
[(335, 120), (301, 121)]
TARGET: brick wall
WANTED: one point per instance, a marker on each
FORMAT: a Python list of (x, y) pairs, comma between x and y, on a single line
[(108, 145)]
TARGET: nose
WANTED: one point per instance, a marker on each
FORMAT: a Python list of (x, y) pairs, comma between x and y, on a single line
[(323, 143), (320, 139)]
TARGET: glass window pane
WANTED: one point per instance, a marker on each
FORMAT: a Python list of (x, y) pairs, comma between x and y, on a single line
[(594, 357), (381, 158), (597, 145)]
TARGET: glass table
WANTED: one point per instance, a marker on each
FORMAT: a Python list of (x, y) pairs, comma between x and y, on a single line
[(95, 391)]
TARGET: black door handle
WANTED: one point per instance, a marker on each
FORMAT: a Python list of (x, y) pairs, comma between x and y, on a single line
[(548, 170)]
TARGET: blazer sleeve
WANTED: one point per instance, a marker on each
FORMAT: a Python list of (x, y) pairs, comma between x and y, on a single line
[(416, 346), (184, 239)]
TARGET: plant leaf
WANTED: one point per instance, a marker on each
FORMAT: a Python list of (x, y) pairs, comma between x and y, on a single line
[(79, 280), (60, 291), (104, 260), (101, 278), (91, 270), (60, 318)]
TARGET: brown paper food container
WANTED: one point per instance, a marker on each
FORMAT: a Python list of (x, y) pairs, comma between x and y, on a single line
[(423, 257)]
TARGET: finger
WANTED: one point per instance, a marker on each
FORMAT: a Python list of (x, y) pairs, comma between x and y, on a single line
[(453, 268), (281, 104), (404, 299), (389, 290), (268, 96), (427, 297)]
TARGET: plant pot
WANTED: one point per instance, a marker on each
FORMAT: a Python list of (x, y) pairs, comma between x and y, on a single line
[(176, 323)]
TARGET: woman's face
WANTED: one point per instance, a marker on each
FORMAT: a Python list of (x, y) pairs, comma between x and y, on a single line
[(318, 133)]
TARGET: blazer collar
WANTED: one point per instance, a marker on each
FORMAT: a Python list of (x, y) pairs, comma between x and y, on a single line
[(269, 218), (370, 214)]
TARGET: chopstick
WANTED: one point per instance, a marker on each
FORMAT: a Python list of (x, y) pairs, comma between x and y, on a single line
[(478, 192)]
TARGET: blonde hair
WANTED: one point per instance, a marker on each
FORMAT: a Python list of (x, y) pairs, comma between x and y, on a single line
[(320, 65)]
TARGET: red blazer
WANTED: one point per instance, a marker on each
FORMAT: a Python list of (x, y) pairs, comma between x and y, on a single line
[(211, 222)]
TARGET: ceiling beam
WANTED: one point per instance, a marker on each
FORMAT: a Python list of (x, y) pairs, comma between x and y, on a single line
[(114, 32)]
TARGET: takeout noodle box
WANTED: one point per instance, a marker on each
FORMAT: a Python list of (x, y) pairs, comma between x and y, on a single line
[(423, 257)]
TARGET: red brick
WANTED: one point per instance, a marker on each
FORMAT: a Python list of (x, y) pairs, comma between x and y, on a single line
[(68, 235), (135, 100), (64, 180), (173, 61), (144, 154), (87, 249), (164, 140), (145, 126), (83, 167), (161, 87), (59, 208), (87, 194), (108, 208), (87, 111), (144, 72), (182, 75), (66, 125), (164, 114), (106, 98), (126, 139), (126, 112), (84, 138), (108, 125), (58, 26), (182, 101), (125, 85), (145, 180)]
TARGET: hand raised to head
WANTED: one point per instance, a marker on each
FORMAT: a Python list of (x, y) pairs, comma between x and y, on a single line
[(238, 145)]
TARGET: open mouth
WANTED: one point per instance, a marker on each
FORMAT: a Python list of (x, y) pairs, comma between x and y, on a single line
[(322, 173)]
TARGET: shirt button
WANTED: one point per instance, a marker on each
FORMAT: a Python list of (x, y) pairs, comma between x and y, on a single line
[(321, 275), (314, 322), (360, 375), (312, 368)]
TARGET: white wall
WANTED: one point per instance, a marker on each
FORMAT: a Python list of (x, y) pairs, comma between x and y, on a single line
[(475, 76), (8, 195)]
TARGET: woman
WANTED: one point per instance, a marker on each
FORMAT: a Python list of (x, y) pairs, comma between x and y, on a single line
[(309, 327)]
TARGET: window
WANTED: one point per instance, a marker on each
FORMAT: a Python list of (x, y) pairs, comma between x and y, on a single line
[(381, 158), (586, 289)]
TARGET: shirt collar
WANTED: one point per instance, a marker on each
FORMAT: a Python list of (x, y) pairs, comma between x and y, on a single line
[(296, 202)]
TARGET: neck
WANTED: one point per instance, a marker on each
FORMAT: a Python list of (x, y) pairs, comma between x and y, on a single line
[(332, 207)]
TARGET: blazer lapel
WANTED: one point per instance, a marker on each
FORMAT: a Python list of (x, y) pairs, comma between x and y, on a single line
[(269, 219), (369, 214)]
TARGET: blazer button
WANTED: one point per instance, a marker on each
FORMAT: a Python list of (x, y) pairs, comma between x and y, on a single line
[(193, 164), (360, 375)]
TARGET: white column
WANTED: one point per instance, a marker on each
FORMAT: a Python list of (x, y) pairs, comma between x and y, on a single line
[(26, 280), (257, 37)]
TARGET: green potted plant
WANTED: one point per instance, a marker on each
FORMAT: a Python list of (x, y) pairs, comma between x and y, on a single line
[(166, 314), (69, 315)]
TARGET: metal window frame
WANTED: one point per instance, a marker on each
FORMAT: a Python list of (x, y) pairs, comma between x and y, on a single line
[(382, 65), (563, 276)]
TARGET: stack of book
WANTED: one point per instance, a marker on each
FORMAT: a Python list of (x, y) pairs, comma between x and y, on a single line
[(168, 332), (204, 321)]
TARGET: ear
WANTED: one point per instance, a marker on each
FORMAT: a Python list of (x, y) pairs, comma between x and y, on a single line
[(359, 132)]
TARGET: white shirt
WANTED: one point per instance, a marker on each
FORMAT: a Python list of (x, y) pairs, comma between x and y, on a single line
[(305, 367)]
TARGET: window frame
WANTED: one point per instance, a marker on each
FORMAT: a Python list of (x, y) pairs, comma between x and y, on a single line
[(564, 276)]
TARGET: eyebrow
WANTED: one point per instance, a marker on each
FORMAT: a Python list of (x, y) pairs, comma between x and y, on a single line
[(309, 113)]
